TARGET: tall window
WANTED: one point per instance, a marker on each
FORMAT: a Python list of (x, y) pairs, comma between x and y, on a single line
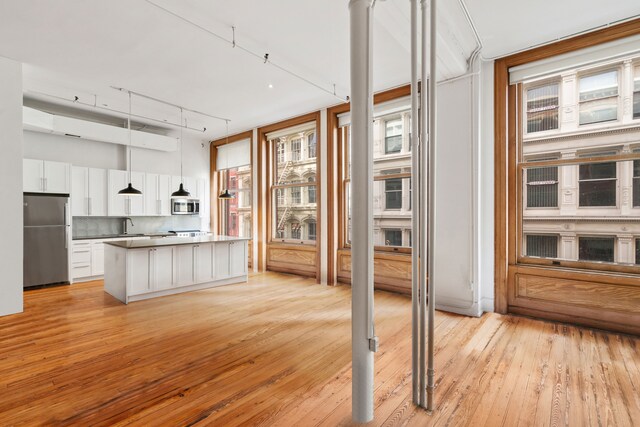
[(393, 193), (295, 149), (391, 186), (392, 237), (311, 230), (542, 108), (599, 97), (597, 184), (596, 249), (636, 183), (393, 136), (542, 187), (290, 181), (235, 218), (637, 251), (311, 145), (542, 246)]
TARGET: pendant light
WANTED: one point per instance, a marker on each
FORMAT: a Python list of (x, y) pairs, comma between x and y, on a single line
[(181, 193), (225, 195), (130, 190)]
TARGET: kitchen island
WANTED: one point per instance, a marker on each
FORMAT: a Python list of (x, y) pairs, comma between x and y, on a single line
[(142, 269)]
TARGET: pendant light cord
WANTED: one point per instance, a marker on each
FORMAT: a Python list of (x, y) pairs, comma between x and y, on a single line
[(129, 128), (181, 144)]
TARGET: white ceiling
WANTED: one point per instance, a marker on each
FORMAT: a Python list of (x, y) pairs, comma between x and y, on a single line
[(83, 47)]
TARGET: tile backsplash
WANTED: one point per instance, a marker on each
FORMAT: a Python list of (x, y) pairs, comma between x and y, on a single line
[(100, 226)]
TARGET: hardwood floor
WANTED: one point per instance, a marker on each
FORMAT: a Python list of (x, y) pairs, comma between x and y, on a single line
[(276, 352)]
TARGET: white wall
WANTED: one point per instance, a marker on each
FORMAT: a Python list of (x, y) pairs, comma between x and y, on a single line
[(11, 188), (487, 185)]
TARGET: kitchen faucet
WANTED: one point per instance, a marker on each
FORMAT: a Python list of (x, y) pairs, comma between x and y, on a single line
[(125, 224)]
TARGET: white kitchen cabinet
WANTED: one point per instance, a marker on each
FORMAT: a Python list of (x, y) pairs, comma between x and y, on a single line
[(163, 268), (88, 191), (201, 187), (185, 265), (221, 259), (237, 253), (157, 195), (189, 185), (41, 176), (204, 262), (138, 276), (125, 205), (97, 259)]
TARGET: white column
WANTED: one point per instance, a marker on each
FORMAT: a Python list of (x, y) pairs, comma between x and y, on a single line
[(568, 176), (321, 194), (625, 253), (254, 199), (362, 332), (625, 88), (568, 246), (569, 110), (11, 191)]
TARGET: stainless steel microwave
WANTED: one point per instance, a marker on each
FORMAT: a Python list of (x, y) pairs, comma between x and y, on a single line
[(185, 206)]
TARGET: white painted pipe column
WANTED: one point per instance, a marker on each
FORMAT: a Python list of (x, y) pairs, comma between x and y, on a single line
[(363, 340), (432, 201), (416, 237)]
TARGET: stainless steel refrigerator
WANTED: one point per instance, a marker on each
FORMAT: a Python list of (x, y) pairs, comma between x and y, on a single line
[(46, 239)]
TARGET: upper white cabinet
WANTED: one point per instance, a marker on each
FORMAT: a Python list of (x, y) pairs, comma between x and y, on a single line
[(158, 195), (126, 205), (41, 176), (88, 191), (189, 184)]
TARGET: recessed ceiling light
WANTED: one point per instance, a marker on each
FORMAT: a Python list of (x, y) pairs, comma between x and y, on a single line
[(270, 86)]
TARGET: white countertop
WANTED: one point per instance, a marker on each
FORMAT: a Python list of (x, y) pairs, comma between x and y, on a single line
[(173, 241)]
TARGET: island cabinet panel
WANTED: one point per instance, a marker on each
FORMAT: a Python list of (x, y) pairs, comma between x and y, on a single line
[(204, 263), (163, 267), (237, 253), (139, 267), (185, 265), (222, 259)]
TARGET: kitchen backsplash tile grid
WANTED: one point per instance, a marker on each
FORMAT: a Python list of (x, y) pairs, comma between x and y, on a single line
[(99, 226)]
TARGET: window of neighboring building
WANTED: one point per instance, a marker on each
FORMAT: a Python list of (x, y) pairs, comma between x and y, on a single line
[(637, 251), (392, 237), (236, 211), (295, 195), (311, 190), (290, 181), (311, 230), (596, 249), (295, 149), (597, 184), (636, 183), (393, 136), (636, 93), (599, 97), (542, 187), (542, 108), (311, 145), (393, 193), (542, 246), (280, 147), (295, 230)]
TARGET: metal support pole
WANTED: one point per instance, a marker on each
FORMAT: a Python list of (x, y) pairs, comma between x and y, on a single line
[(424, 182), (432, 199), (363, 340), (417, 373)]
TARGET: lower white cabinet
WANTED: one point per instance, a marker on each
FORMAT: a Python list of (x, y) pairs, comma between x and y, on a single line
[(97, 259), (87, 258), (138, 273)]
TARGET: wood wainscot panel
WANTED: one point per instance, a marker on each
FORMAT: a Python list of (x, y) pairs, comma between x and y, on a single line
[(591, 299), (296, 259), (250, 254), (392, 272)]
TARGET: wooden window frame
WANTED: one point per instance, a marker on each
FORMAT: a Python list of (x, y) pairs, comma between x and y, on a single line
[(507, 176)]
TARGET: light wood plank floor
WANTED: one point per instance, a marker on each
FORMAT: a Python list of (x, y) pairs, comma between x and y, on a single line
[(276, 352)]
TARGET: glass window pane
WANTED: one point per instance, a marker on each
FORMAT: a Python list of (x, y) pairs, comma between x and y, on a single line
[(235, 218), (636, 93), (542, 187), (542, 108), (637, 251), (636, 183), (392, 237), (393, 136), (542, 246), (598, 184), (393, 193), (294, 216), (599, 97), (596, 249), (292, 162)]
